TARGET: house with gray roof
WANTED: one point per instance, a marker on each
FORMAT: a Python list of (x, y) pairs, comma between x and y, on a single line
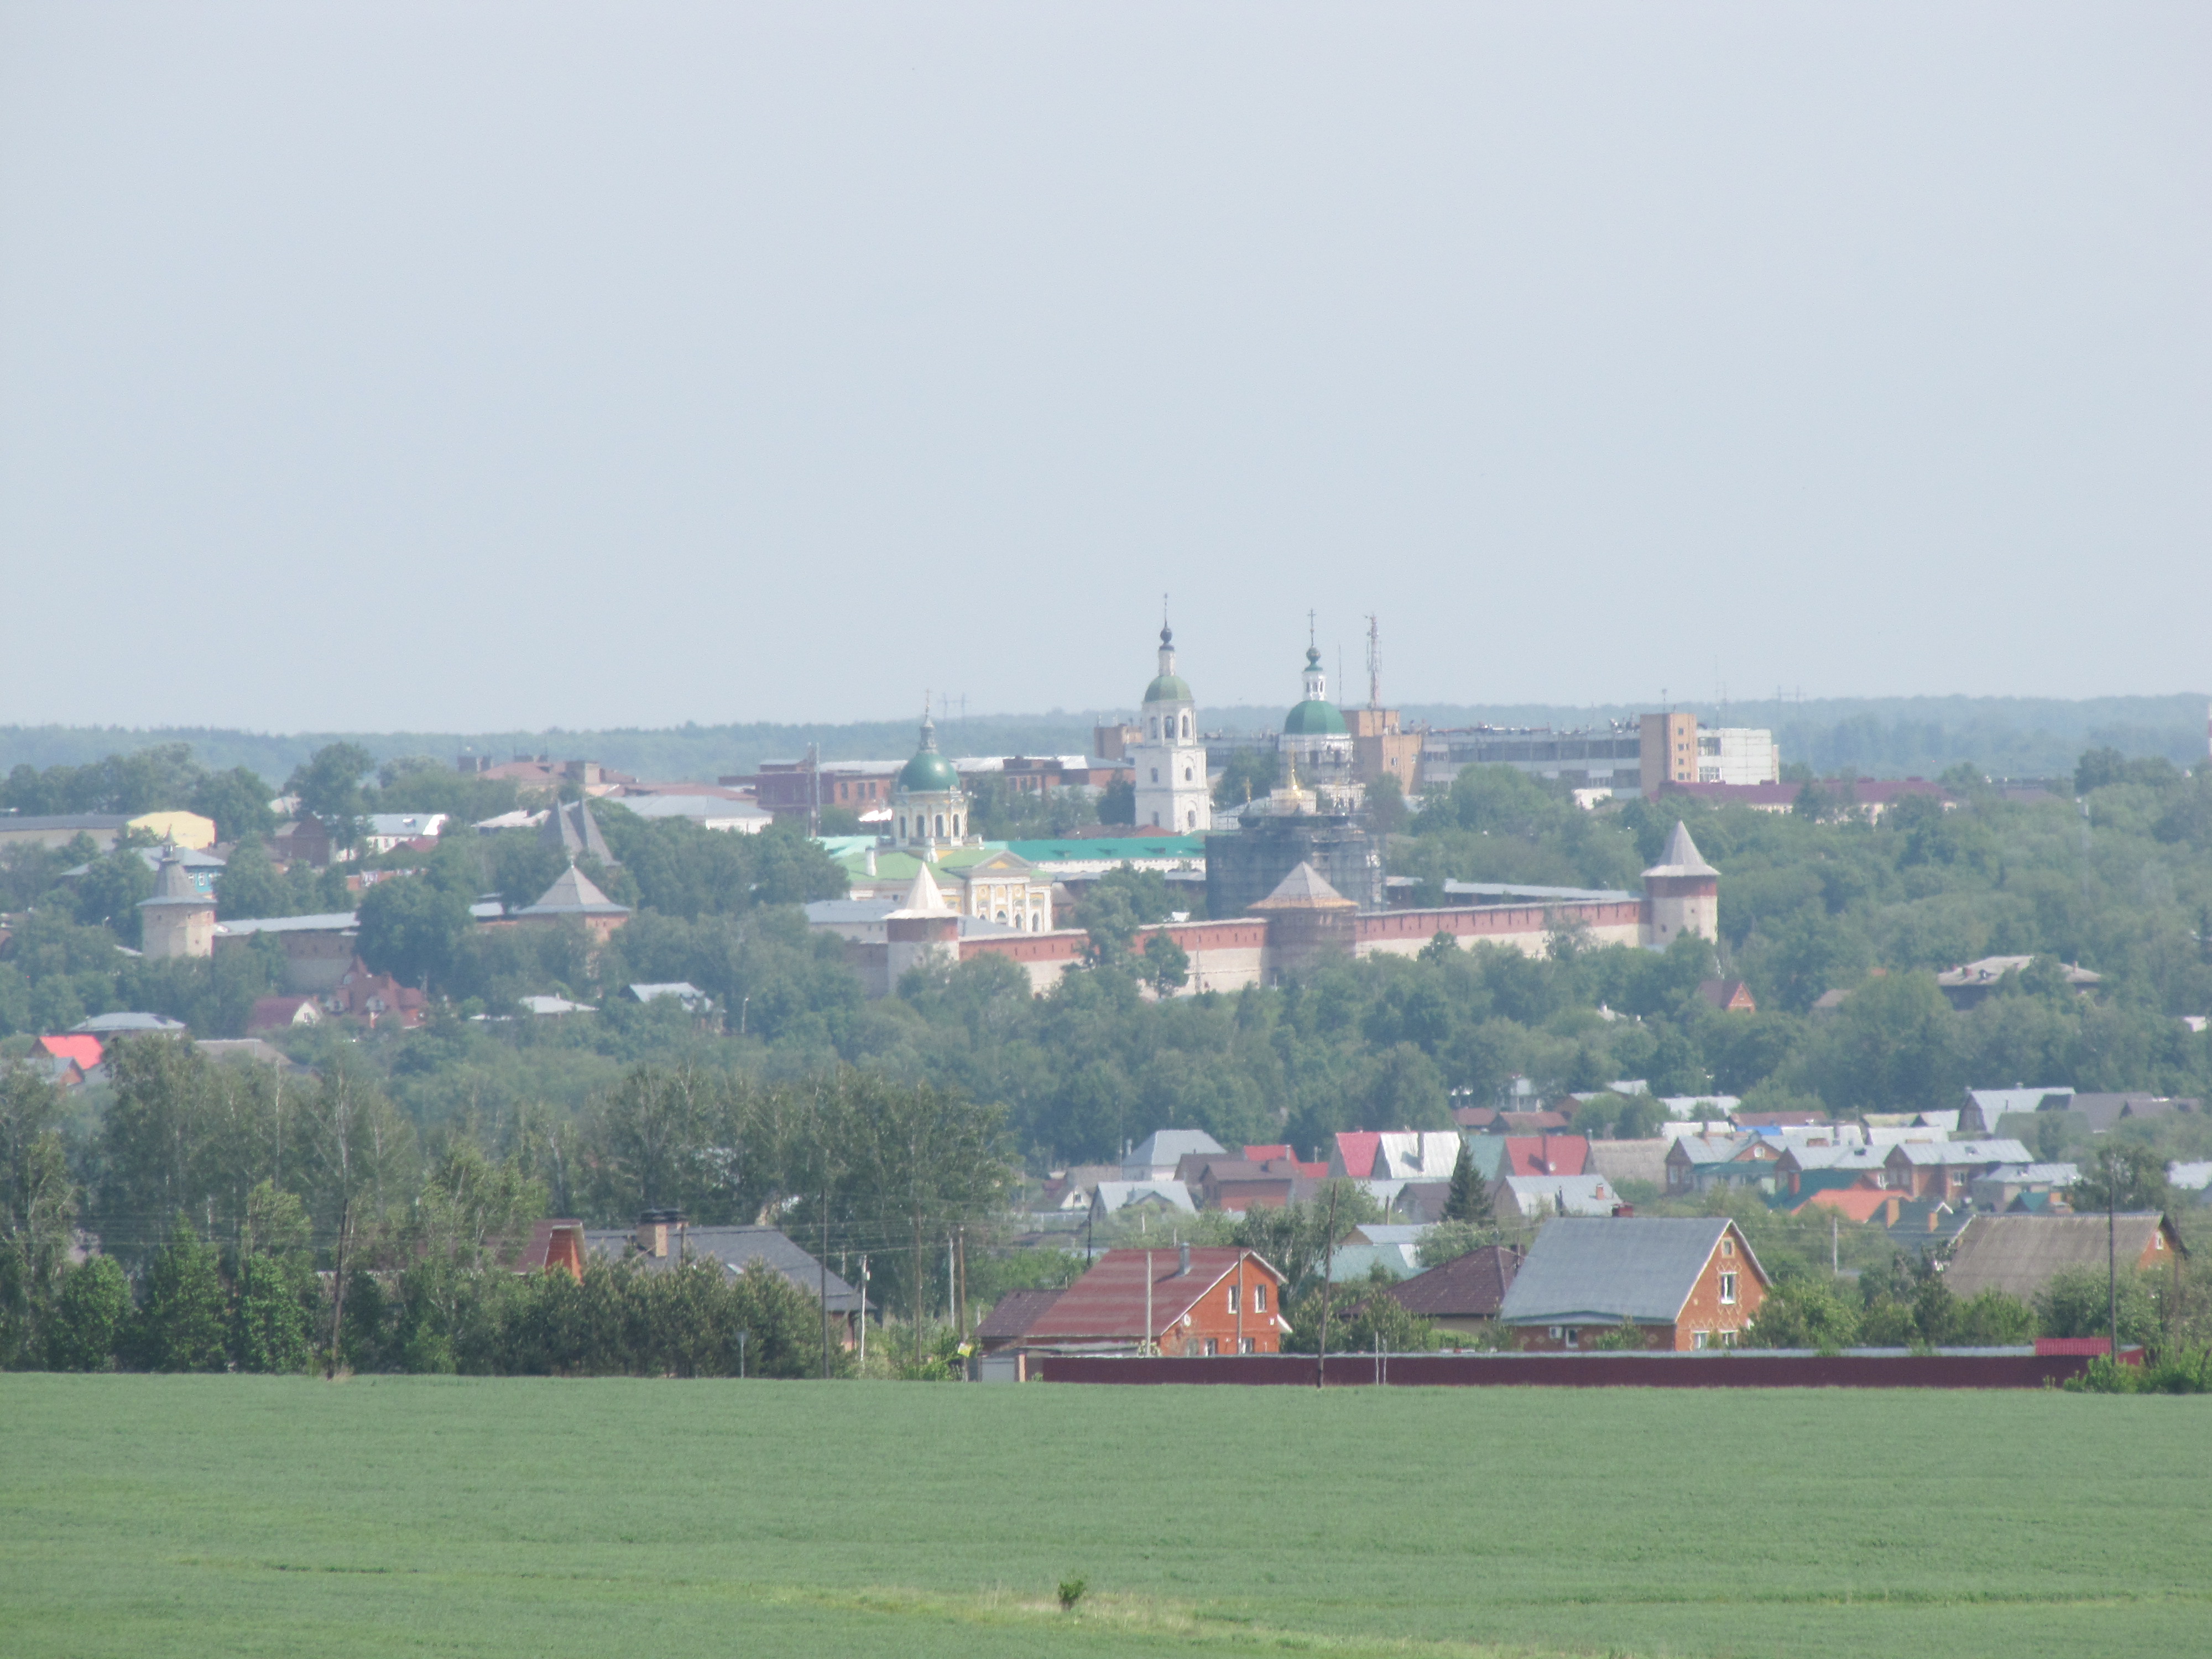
[(663, 1240), (1684, 1283), (1158, 1154)]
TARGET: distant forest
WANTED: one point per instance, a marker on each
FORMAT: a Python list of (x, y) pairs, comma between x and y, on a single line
[(1875, 737)]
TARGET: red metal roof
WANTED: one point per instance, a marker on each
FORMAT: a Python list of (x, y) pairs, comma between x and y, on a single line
[(1108, 1303), (1357, 1148), (1547, 1155), (84, 1050)]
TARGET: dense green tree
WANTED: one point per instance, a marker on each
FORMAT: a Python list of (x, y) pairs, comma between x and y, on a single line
[(328, 785), (1803, 1311), (237, 801), (91, 1316), (2079, 1301), (1468, 1202), (278, 1296), (412, 928), (183, 1323), (1167, 965)]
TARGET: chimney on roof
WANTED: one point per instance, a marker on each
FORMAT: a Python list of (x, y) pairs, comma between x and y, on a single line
[(1182, 1259), (659, 1232)]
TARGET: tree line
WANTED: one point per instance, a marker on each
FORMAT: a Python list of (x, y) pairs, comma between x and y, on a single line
[(229, 1200)]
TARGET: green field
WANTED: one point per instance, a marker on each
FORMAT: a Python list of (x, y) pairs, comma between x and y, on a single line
[(149, 1515)]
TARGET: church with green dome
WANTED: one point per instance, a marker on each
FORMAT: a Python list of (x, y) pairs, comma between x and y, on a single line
[(1315, 741), (929, 809)]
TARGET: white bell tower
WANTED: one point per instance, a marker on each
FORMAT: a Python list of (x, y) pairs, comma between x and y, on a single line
[(1173, 797)]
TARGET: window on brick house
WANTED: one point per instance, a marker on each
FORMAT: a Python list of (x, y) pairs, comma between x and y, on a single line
[(1728, 1247), (1213, 1346), (1727, 1290), (1259, 1298), (1233, 1298), (1701, 1338)]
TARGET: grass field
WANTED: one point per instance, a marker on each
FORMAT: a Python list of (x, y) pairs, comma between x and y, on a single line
[(154, 1516)]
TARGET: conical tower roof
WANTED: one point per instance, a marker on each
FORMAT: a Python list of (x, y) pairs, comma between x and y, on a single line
[(924, 897), (173, 884), (573, 894), (1304, 890), (1681, 857)]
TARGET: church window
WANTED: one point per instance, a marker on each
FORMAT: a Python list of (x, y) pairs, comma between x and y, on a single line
[(941, 824), (956, 826), (902, 826), (1156, 775), (1156, 725), (1155, 820), (1192, 818), (1186, 725), (1186, 774)]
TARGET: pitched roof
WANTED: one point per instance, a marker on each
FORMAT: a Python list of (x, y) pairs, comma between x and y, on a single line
[(1949, 1154), (83, 1050), (1854, 1203), (1560, 1195), (1470, 1286), (1108, 1303), (573, 894), (1547, 1155), (570, 826), (1681, 857), (1112, 1195), (1165, 1148), (2019, 1254), (1303, 890), (1013, 1314), (1358, 1147), (1639, 1268), (105, 1024), (736, 1248)]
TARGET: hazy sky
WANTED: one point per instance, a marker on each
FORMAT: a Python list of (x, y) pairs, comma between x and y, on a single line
[(467, 366)]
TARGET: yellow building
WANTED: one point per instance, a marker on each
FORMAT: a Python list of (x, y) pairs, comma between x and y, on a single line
[(187, 829)]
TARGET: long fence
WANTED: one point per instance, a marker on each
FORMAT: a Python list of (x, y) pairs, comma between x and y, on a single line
[(1726, 1369)]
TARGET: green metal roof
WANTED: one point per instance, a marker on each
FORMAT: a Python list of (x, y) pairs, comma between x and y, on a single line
[(929, 772), (1168, 688), (1118, 849), (1314, 719)]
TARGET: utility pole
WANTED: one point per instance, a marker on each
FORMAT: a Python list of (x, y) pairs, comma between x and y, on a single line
[(338, 1307), (1374, 663), (1327, 1268), (864, 1313), (813, 788), (2113, 1252), (961, 1318), (824, 1264)]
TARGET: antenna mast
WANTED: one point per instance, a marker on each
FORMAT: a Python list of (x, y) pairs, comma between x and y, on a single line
[(1374, 663)]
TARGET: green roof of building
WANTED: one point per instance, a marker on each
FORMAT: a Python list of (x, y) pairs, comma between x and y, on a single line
[(1314, 719), (1116, 850), (1168, 688), (929, 772)]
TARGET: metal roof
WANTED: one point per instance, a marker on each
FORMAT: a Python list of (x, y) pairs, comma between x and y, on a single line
[(736, 1248), (1108, 1301), (1681, 857), (1945, 1153), (2019, 1254), (573, 894), (1639, 1268), (332, 921), (1164, 1149), (1470, 1286)]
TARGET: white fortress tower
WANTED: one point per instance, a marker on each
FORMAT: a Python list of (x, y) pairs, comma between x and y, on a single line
[(1172, 794), (1681, 893)]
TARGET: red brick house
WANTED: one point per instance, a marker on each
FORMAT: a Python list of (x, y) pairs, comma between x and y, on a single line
[(1684, 1283), (1730, 996), (1183, 1302)]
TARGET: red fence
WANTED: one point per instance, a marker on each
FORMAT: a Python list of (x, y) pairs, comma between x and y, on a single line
[(1737, 1369)]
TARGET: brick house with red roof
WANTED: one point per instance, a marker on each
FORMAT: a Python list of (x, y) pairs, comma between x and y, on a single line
[(1183, 1302)]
